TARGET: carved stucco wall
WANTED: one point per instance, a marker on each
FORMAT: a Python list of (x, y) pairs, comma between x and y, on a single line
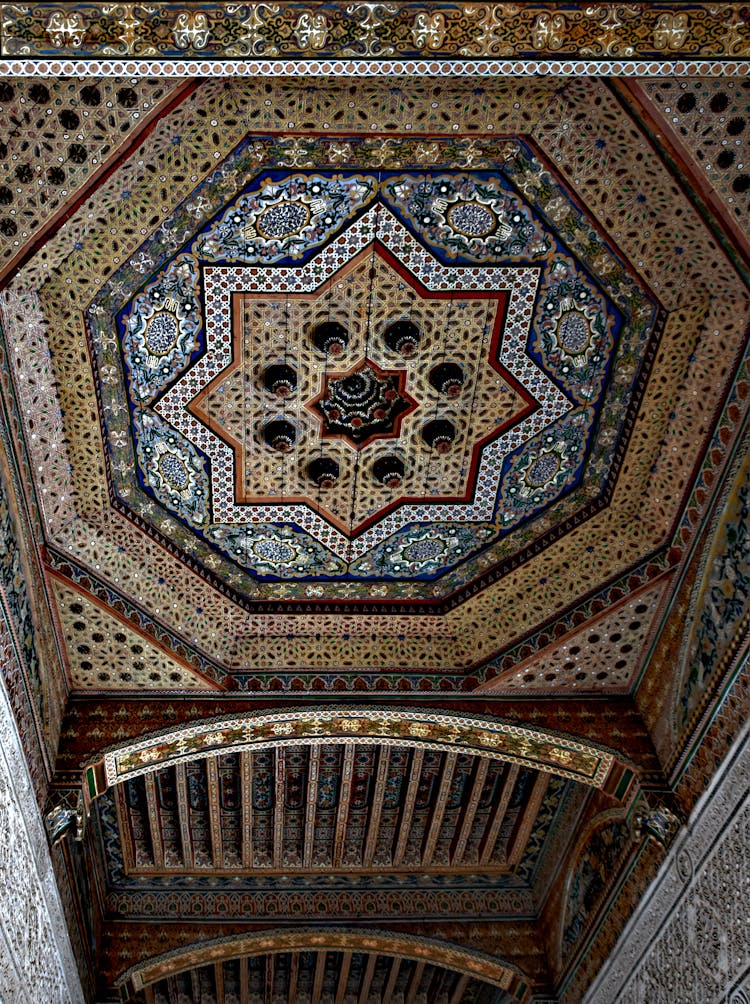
[(36, 961), (689, 940)]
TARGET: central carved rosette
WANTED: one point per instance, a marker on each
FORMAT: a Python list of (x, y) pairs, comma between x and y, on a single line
[(363, 404)]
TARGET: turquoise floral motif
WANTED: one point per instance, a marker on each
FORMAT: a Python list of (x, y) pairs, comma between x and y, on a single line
[(161, 331), (280, 551), (284, 219), (423, 551), (467, 216), (544, 467), (172, 468), (573, 330)]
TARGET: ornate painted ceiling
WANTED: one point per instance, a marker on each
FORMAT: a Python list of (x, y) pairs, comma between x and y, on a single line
[(374, 479)]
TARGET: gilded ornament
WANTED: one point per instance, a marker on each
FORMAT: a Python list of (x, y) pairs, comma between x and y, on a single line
[(548, 31), (370, 23), (488, 41), (129, 21), (670, 31), (428, 30), (66, 29), (610, 42), (253, 43), (191, 30), (311, 31)]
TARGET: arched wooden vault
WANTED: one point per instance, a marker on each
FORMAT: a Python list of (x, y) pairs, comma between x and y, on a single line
[(360, 815), (307, 966)]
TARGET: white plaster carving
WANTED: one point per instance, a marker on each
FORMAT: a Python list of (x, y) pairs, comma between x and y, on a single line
[(689, 940), (36, 959)]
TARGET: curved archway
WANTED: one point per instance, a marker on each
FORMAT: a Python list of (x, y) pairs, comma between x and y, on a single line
[(467, 963), (542, 750)]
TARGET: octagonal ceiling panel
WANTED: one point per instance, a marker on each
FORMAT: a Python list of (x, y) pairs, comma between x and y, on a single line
[(484, 242), (368, 382)]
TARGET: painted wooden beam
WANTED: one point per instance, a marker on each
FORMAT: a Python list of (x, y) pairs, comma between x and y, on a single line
[(433, 834), (498, 814), (470, 810), (214, 810), (154, 821), (342, 816), (404, 823), (376, 809), (313, 773), (246, 794)]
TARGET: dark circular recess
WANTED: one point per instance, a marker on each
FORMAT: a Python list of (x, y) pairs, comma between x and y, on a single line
[(77, 153), (686, 102), (725, 159), (323, 472), (24, 173), (330, 337), (39, 93), (8, 228), (6, 91), (69, 119), (719, 102), (741, 184), (127, 97), (439, 434), (280, 435), (91, 95), (736, 125), (6, 196), (389, 471), (280, 379), (402, 337), (447, 379), (56, 176)]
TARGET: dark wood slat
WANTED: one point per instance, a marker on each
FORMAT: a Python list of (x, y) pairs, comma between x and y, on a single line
[(244, 981), (470, 811), (183, 812), (342, 815), (219, 981), (268, 984), (364, 988), (446, 778), (415, 980), (320, 971), (346, 962), (496, 819), (212, 778), (373, 823), (154, 821), (528, 818), (391, 984), (459, 990), (293, 978), (246, 788), (311, 805), (278, 810), (404, 825), (195, 986)]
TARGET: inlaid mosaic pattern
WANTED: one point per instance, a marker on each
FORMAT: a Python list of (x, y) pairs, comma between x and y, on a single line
[(105, 654), (608, 651), (199, 411)]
